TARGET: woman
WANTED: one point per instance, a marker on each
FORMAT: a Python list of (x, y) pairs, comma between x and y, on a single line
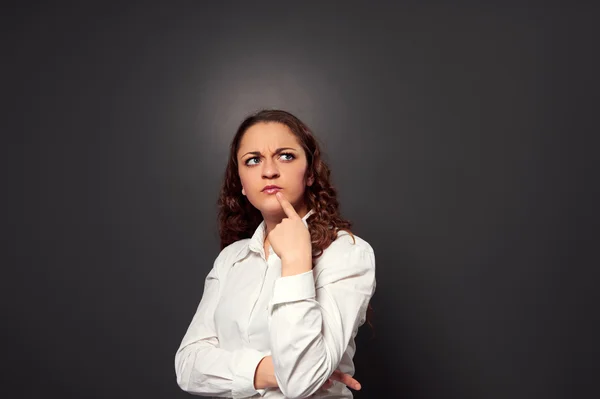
[(291, 286)]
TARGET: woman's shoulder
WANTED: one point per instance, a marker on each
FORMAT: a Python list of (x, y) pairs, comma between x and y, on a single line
[(347, 247), (347, 241), (348, 255), (232, 252)]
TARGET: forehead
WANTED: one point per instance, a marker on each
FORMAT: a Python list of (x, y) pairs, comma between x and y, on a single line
[(267, 137)]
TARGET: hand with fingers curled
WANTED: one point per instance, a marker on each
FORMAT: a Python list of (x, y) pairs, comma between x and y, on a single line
[(265, 377), (290, 240), (344, 378)]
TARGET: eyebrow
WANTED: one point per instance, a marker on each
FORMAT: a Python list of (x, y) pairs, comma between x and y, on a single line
[(277, 151)]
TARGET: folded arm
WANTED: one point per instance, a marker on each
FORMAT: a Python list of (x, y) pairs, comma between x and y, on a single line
[(201, 367), (314, 315)]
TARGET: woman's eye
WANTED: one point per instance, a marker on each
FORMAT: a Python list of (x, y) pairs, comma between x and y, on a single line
[(255, 160)]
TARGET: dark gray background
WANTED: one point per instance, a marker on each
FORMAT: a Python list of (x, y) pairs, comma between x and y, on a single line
[(456, 138)]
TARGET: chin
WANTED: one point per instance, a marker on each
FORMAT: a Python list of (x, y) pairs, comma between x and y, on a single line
[(270, 207)]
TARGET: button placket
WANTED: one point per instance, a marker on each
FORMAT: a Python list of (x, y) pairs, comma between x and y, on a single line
[(257, 297)]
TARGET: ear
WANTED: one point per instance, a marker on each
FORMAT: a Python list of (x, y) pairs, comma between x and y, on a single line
[(243, 191), (310, 181)]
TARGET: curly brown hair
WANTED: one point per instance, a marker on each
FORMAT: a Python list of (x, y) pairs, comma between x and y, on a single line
[(238, 218)]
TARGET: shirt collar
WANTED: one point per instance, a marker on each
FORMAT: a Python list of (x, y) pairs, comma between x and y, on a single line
[(257, 241)]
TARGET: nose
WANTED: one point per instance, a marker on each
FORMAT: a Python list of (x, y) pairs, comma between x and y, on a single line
[(270, 170)]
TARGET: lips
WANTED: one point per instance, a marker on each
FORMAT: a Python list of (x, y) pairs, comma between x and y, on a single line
[(271, 189)]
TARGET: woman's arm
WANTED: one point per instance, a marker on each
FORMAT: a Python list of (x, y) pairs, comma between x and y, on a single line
[(311, 327), (202, 368)]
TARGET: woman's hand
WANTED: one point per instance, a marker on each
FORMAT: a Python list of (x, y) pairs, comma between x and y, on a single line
[(265, 377), (344, 378), (290, 240)]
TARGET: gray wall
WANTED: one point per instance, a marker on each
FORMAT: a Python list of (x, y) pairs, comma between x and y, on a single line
[(445, 127)]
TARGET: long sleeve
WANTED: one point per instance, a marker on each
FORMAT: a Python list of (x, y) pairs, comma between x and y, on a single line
[(202, 368), (314, 316)]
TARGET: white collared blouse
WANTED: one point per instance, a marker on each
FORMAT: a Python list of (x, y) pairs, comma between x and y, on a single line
[(306, 322)]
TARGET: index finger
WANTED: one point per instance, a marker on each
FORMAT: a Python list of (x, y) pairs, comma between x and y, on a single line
[(286, 206)]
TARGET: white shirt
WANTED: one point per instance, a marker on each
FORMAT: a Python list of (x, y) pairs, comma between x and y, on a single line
[(306, 322)]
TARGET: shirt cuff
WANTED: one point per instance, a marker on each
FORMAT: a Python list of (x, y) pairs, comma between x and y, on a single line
[(244, 364), (293, 288)]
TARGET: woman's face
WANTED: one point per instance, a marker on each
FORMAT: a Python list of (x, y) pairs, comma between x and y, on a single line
[(270, 154)]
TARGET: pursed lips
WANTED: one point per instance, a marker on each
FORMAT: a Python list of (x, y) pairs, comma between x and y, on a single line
[(271, 189)]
